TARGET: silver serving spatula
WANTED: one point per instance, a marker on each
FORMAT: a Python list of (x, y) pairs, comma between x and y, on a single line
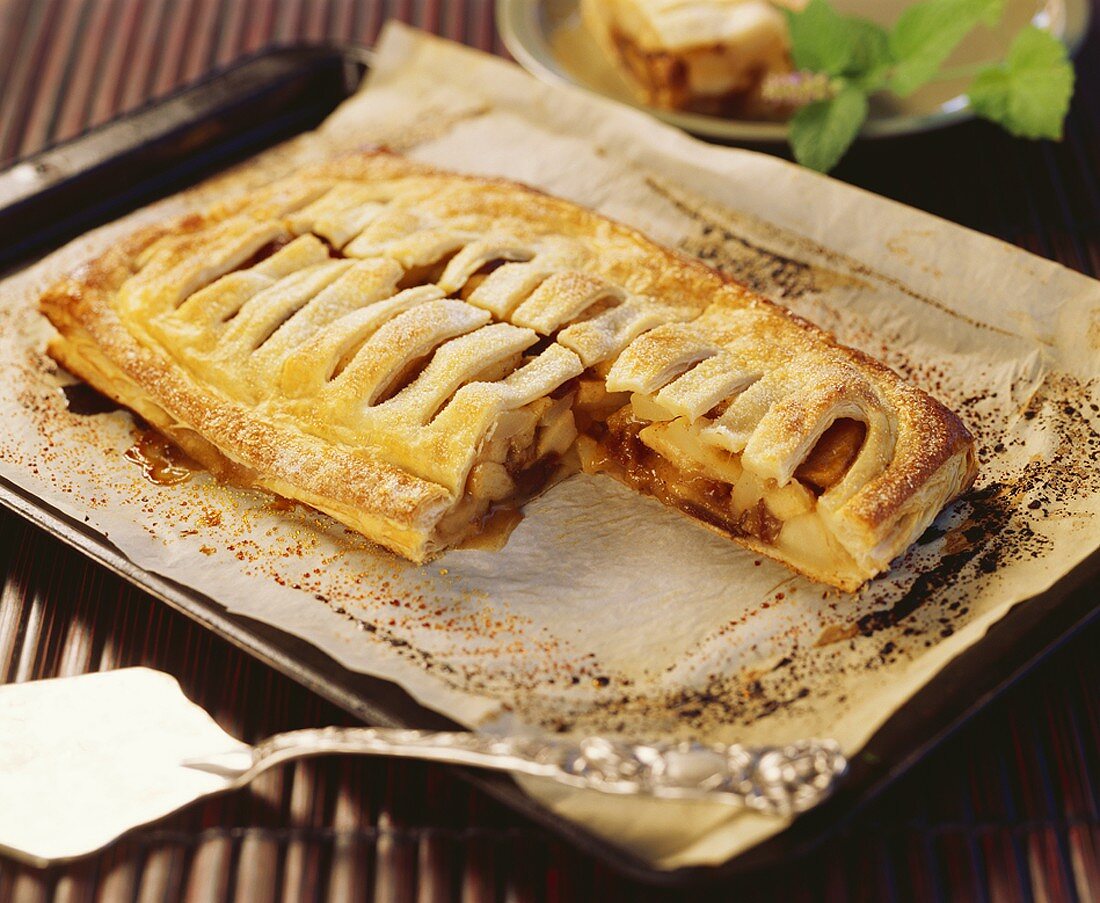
[(85, 759)]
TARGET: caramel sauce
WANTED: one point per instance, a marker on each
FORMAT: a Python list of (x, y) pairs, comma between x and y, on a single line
[(719, 409), (492, 532), (160, 461), (496, 525), (758, 521), (625, 456)]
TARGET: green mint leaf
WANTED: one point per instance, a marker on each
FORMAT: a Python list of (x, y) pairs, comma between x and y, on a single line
[(870, 59), (822, 132), (927, 33), (1029, 93), (821, 39), (830, 44)]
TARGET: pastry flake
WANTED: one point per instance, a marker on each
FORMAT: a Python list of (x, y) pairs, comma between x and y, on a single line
[(408, 349)]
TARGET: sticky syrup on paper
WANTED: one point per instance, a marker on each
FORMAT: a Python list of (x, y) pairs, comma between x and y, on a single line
[(160, 461)]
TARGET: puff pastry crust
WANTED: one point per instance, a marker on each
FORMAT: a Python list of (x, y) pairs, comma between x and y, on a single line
[(406, 348)]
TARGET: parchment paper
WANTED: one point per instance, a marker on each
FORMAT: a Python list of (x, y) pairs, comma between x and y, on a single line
[(605, 611)]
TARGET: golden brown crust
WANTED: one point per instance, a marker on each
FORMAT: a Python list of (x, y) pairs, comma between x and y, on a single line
[(280, 333), (224, 436)]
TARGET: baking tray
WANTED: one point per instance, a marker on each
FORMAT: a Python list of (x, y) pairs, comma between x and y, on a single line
[(237, 112)]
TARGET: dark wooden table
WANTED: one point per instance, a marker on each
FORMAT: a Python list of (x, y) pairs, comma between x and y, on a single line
[(1010, 809)]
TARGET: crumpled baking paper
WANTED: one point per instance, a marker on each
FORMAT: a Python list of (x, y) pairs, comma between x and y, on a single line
[(606, 612)]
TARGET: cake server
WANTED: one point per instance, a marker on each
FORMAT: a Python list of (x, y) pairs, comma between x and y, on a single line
[(85, 759)]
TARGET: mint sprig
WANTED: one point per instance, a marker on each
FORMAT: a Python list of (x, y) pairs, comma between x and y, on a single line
[(1028, 93)]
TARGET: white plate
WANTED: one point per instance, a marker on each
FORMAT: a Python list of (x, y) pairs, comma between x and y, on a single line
[(548, 39)]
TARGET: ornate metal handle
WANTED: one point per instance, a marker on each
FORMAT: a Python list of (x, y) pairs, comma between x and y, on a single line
[(778, 780)]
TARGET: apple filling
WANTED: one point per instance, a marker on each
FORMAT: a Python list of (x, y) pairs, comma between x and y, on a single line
[(666, 459), (517, 460)]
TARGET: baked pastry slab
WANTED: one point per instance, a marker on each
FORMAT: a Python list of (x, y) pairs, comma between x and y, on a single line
[(707, 56), (407, 349)]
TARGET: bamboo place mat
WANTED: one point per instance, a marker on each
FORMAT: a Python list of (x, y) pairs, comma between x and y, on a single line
[(1008, 809)]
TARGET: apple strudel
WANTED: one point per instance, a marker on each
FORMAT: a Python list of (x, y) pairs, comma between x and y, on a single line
[(406, 348)]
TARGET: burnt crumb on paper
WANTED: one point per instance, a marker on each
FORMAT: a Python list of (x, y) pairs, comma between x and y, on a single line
[(716, 241), (760, 270), (720, 238)]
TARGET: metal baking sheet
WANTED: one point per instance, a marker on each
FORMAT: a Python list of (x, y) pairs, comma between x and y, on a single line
[(239, 111)]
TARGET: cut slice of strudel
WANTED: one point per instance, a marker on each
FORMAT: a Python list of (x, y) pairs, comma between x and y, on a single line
[(406, 348), (708, 56)]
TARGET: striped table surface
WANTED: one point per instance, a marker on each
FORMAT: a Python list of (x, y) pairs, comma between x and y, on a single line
[(1009, 809)]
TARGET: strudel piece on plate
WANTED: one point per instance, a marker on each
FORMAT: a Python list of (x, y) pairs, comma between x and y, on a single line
[(708, 56), (406, 349)]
